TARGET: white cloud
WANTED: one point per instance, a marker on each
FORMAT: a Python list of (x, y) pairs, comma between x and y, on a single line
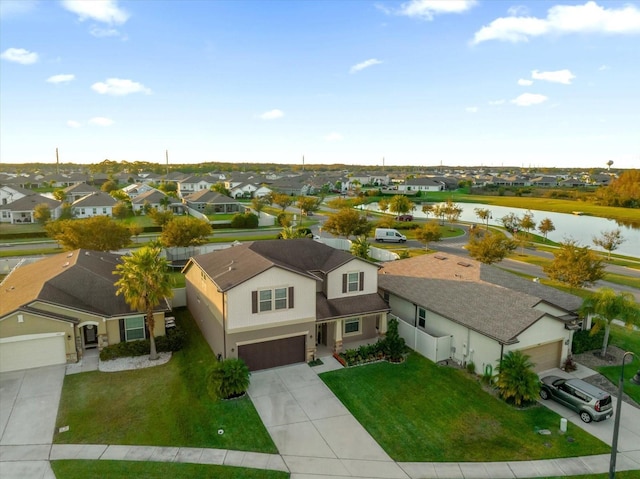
[(98, 32), (525, 82), (19, 55), (365, 64), (472, 109), (518, 10), (603, 68), (427, 9), (496, 102), (105, 11), (333, 136), (63, 78), (528, 99), (272, 115), (560, 76), (74, 124), (119, 87), (101, 121), (563, 19)]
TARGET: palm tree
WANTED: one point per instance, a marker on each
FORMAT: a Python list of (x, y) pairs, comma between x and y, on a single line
[(606, 305), (229, 378), (517, 382), (144, 282)]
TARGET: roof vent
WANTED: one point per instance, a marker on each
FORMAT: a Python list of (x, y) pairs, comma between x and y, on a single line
[(440, 257), (69, 255), (466, 265), (65, 265)]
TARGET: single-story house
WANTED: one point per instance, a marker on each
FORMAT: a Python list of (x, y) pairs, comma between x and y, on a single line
[(455, 308), (94, 204), (55, 308), (153, 199), (278, 302), (420, 184), (212, 202), (79, 190), (23, 209)]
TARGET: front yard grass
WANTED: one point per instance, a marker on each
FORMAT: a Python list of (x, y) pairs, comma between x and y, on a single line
[(79, 469), (165, 405), (418, 411), (628, 340)]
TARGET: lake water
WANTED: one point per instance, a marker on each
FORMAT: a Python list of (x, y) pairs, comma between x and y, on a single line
[(580, 228)]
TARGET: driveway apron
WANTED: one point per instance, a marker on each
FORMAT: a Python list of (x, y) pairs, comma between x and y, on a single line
[(313, 431)]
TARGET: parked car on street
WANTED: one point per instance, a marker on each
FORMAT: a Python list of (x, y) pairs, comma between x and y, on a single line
[(589, 401), (404, 218)]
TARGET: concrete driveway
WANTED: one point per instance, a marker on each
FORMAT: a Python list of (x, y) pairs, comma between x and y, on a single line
[(29, 402), (313, 431)]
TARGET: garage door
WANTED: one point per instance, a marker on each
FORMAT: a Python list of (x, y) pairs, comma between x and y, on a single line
[(32, 351), (546, 356), (270, 354)]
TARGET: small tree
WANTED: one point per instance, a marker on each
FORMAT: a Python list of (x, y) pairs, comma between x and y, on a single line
[(429, 232), (109, 186), (545, 227), (347, 222), (383, 205), (400, 204), (517, 382), (526, 222), (427, 209), (574, 265), (42, 213), (121, 210), (360, 247), (609, 241), (483, 214), (282, 200), (136, 230), (490, 247), (393, 344), (452, 211), (160, 218), (184, 231), (220, 188), (60, 195), (228, 378), (606, 305)]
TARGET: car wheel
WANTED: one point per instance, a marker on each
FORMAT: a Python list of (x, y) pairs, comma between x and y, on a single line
[(544, 394), (585, 416)]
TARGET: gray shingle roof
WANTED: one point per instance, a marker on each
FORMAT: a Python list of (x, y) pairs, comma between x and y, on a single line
[(350, 306)]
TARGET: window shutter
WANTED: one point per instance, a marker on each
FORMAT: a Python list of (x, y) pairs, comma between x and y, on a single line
[(361, 280), (344, 283), (290, 297), (121, 325), (254, 302)]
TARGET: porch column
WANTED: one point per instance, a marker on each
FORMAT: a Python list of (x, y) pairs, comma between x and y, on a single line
[(383, 325), (337, 347)]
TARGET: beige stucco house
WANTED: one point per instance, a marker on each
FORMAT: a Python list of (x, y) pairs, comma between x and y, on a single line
[(454, 308), (52, 310), (280, 302)]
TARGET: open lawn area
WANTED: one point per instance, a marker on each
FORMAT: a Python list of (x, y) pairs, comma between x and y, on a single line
[(628, 340), (418, 411), (166, 405), (155, 470)]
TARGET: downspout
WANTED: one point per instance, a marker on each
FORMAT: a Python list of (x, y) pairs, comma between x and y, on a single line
[(224, 324), (501, 354)]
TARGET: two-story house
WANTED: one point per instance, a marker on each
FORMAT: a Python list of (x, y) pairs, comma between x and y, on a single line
[(280, 302)]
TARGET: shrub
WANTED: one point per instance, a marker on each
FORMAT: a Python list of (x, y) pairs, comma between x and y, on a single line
[(517, 382), (471, 367), (246, 220), (173, 341), (584, 340), (228, 378), (393, 345)]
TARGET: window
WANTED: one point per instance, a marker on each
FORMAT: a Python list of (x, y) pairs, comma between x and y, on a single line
[(422, 317), (104, 211), (352, 282), (134, 328), (272, 299), (95, 210), (351, 326)]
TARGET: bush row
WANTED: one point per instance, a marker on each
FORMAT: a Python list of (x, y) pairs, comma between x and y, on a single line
[(585, 341), (174, 340)]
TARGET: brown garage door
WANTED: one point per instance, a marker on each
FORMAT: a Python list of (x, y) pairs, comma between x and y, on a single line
[(270, 354), (546, 356)]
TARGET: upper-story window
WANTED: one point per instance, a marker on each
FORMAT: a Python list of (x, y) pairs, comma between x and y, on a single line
[(273, 299), (352, 282)]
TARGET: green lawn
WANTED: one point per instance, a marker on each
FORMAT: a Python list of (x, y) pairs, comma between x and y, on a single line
[(80, 469), (165, 405), (418, 411), (628, 340)]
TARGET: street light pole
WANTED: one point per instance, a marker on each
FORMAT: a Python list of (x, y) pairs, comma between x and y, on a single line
[(616, 426)]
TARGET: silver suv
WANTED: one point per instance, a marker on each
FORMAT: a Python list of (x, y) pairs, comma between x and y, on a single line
[(590, 402)]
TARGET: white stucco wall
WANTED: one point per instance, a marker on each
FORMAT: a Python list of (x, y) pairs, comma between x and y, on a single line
[(334, 279), (239, 312), (545, 330)]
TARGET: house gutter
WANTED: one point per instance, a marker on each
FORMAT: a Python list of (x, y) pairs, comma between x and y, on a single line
[(224, 324)]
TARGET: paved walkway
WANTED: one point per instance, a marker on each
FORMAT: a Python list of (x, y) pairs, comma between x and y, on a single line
[(317, 437)]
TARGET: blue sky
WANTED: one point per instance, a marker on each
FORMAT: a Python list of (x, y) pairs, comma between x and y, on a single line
[(453, 82)]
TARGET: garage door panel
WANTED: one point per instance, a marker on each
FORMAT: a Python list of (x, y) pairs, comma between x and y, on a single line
[(271, 354), (28, 352), (546, 356)]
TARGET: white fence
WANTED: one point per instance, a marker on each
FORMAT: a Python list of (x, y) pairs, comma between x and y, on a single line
[(435, 348), (375, 253)]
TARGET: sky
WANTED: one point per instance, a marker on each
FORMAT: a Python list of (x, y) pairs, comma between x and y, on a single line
[(424, 82)]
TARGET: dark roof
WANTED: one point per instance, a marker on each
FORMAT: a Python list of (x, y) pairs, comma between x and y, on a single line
[(230, 267), (98, 198), (151, 196), (349, 306), (209, 197), (28, 203), (80, 279)]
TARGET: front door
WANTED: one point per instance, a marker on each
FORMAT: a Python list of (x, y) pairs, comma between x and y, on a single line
[(321, 334), (90, 336)]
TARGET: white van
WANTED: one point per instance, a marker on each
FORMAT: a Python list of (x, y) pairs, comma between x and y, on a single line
[(388, 234)]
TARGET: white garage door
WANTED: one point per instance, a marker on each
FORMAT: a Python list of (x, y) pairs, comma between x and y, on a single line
[(546, 356), (32, 351)]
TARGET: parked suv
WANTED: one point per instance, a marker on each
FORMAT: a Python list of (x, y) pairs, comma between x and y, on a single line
[(592, 403), (404, 218)]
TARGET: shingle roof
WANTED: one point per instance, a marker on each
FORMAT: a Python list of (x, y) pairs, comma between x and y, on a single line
[(484, 298), (209, 197), (349, 306), (79, 279), (28, 203), (98, 198)]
